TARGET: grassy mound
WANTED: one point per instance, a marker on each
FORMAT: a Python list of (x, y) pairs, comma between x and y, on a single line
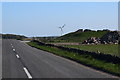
[(80, 36)]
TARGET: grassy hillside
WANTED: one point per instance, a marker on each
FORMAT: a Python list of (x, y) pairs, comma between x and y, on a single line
[(13, 36), (80, 36)]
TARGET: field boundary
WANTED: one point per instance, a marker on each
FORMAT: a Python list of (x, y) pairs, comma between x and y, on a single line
[(100, 56), (42, 46)]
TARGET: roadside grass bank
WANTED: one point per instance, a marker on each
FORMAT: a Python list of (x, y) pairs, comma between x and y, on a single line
[(85, 59), (103, 48)]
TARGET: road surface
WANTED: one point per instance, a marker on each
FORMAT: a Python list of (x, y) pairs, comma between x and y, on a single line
[(23, 61), (0, 58)]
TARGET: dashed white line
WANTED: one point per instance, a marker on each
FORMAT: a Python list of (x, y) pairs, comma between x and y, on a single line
[(17, 56), (28, 74), (25, 69), (13, 49)]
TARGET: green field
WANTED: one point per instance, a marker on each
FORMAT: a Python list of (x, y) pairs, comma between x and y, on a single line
[(80, 36), (84, 58), (76, 36), (104, 48)]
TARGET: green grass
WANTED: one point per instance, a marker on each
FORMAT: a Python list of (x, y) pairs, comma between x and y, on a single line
[(87, 59), (104, 48), (80, 36)]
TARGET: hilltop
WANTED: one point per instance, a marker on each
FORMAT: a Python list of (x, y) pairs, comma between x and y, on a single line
[(13, 36), (81, 35)]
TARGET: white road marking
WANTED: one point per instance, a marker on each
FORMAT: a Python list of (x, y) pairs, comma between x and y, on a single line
[(17, 56), (13, 49), (28, 74), (11, 44)]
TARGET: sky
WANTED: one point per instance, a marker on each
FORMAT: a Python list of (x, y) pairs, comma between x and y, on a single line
[(44, 18)]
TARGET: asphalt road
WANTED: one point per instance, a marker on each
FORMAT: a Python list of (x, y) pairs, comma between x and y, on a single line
[(0, 58), (23, 61)]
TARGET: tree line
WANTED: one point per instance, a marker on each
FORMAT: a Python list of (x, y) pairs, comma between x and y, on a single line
[(12, 36)]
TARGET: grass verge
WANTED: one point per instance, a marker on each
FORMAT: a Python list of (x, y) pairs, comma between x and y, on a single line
[(84, 59)]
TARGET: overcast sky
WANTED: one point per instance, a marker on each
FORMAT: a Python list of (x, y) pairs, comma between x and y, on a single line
[(44, 18)]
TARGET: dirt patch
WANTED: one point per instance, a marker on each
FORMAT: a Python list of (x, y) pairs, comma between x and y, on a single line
[(65, 43)]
